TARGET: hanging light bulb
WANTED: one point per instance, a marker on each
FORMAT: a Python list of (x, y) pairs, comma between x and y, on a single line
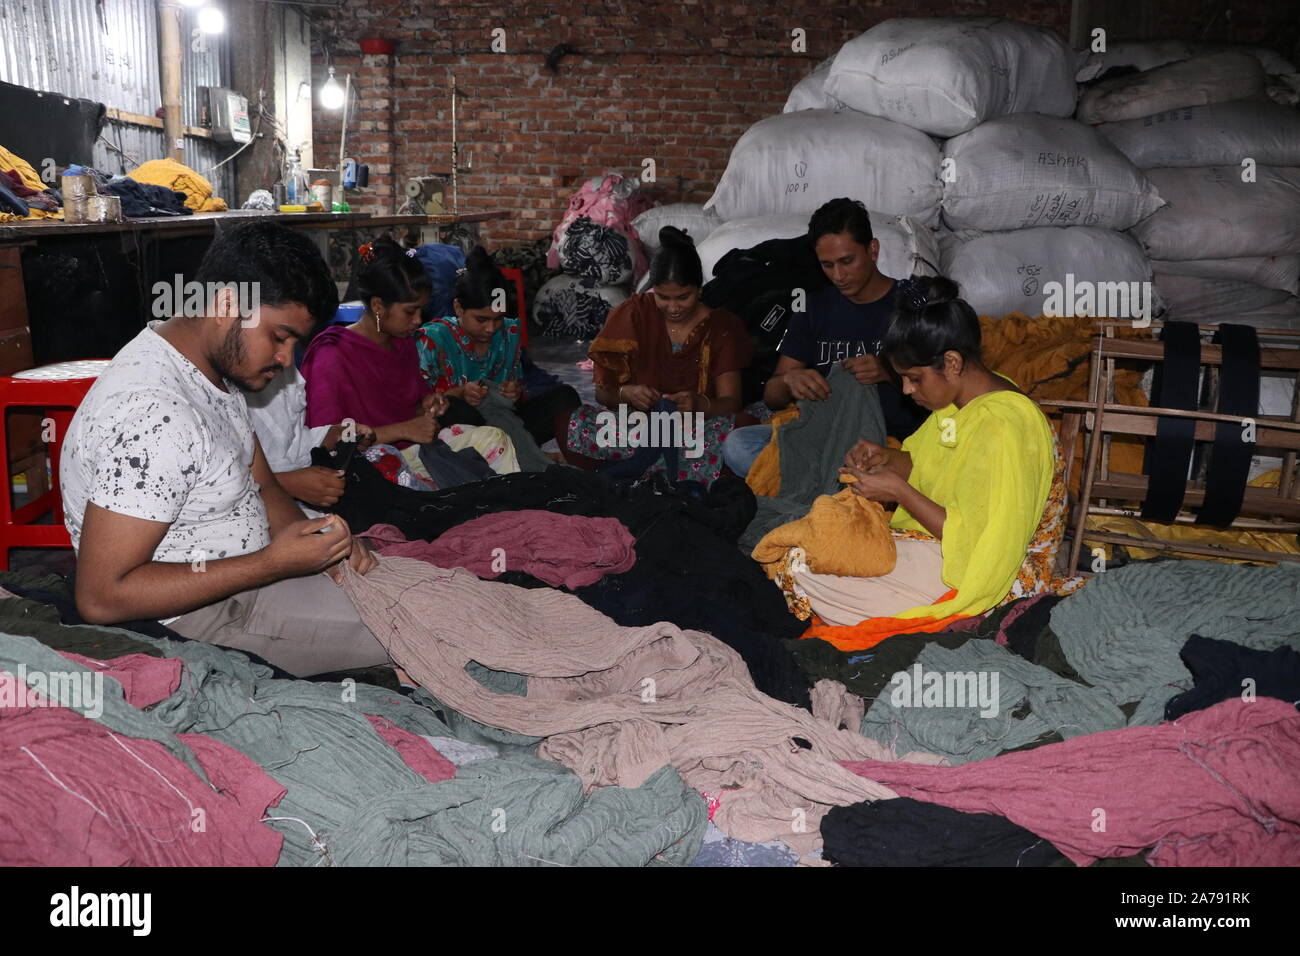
[(212, 20), (331, 93)]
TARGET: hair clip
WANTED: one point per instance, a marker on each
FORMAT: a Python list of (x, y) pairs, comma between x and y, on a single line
[(412, 253), (913, 294), (461, 271), (367, 252)]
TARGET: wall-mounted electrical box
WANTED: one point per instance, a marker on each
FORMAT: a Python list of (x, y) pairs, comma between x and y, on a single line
[(227, 115)]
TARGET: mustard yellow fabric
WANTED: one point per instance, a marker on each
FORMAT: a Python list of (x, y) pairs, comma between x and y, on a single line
[(1272, 541), (842, 534), (178, 176), (989, 465), (31, 179), (764, 476)]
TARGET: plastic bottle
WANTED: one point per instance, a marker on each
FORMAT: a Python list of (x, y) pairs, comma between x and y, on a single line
[(295, 182)]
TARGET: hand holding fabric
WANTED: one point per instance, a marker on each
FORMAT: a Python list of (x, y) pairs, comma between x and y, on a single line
[(474, 393), (807, 384), (316, 485), (309, 547), (877, 483), (866, 369), (866, 455), (640, 397), (686, 401)]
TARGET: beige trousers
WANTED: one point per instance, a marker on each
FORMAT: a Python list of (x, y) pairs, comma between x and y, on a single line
[(917, 580), (306, 626)]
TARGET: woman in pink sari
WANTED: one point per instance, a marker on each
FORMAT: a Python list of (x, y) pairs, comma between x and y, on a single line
[(369, 371)]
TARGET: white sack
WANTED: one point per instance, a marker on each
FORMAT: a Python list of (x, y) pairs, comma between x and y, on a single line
[(1222, 134), (691, 218), (1272, 272), (795, 162), (1027, 170), (945, 75), (810, 92), (1190, 297), (1149, 54), (1198, 81), (1212, 214), (1003, 272)]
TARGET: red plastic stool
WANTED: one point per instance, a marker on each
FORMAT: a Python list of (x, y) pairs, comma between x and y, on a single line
[(517, 277), (60, 388)]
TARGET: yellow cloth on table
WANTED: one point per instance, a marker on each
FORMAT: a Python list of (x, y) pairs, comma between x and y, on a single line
[(990, 466), (764, 476), (842, 534), (31, 179), (178, 176)]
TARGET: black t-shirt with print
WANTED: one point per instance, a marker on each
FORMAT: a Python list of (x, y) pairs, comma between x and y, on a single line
[(834, 328)]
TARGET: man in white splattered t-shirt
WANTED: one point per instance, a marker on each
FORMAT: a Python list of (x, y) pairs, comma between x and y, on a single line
[(168, 497)]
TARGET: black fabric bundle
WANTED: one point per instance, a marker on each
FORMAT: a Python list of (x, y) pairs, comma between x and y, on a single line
[(145, 199), (907, 832), (1221, 669)]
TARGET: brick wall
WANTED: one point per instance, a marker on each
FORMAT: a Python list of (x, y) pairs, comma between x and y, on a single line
[(678, 81)]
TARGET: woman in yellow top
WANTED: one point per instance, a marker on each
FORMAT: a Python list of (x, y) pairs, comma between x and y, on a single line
[(971, 483)]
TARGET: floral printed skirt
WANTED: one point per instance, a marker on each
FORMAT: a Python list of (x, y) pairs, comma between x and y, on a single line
[(594, 431)]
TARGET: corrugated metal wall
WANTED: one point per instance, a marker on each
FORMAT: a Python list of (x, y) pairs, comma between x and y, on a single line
[(108, 52)]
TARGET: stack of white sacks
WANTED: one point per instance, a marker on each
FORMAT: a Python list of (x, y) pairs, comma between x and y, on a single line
[(954, 133), (957, 135), (1226, 158)]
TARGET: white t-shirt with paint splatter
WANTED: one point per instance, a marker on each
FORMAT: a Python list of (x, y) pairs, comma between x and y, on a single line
[(155, 439)]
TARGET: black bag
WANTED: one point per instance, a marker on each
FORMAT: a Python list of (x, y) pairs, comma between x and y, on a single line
[(759, 285)]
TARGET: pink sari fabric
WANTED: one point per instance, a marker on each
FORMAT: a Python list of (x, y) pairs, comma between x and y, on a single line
[(348, 376)]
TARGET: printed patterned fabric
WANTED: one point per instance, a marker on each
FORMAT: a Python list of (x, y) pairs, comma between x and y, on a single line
[(448, 359), (572, 312), (492, 444), (393, 466), (608, 200), (1037, 575), (599, 254), (154, 439), (584, 429)]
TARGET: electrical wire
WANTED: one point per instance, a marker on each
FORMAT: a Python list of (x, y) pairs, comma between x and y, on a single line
[(252, 139), (116, 149)]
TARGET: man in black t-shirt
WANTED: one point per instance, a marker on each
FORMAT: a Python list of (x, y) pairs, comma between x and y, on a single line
[(844, 323)]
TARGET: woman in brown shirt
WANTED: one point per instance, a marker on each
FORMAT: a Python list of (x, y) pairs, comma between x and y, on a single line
[(664, 351)]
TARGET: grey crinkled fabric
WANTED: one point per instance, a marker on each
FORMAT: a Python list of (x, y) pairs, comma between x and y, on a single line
[(499, 412), (355, 801), (813, 447), (1032, 701), (525, 811), (1123, 632)]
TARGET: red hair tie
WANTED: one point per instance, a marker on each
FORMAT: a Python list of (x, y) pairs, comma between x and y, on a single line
[(367, 252)]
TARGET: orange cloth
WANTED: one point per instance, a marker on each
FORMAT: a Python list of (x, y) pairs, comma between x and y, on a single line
[(844, 534), (860, 637)]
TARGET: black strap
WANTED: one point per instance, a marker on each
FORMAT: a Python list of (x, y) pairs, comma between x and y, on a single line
[(1169, 453), (1225, 481)]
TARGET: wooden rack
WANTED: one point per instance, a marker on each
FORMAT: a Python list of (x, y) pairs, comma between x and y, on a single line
[(1104, 492)]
